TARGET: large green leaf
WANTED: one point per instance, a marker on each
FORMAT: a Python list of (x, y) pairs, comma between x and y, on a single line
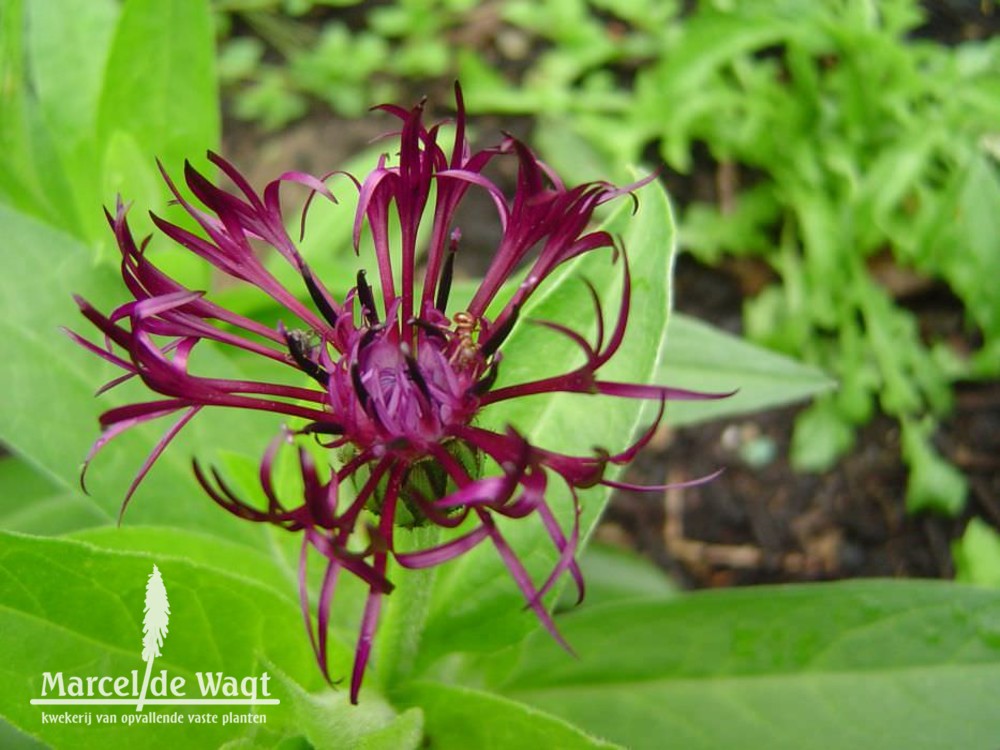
[(97, 93), (31, 503), (476, 604), (265, 567), (614, 574), (700, 356), (459, 718), (160, 83), (68, 43), (31, 177), (862, 664)]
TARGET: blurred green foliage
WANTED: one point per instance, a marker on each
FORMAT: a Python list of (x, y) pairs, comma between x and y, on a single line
[(846, 144)]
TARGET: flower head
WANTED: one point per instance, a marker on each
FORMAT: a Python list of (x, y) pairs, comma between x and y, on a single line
[(397, 377)]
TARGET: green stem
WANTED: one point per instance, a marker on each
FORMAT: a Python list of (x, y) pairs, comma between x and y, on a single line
[(406, 612)]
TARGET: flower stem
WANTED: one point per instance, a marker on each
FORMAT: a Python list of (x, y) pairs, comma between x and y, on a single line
[(406, 612)]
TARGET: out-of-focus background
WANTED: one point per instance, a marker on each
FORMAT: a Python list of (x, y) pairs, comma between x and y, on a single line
[(833, 166)]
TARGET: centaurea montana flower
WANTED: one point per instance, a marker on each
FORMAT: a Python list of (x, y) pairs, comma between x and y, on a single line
[(397, 379)]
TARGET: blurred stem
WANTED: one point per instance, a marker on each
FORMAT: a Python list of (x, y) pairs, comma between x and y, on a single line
[(406, 614)]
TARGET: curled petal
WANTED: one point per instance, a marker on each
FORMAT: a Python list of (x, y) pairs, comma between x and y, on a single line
[(432, 556)]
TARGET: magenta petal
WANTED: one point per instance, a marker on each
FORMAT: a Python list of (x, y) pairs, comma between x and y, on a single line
[(154, 455), (635, 390), (428, 558), (523, 581)]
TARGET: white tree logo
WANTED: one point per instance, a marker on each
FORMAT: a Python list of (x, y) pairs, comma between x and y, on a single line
[(156, 615)]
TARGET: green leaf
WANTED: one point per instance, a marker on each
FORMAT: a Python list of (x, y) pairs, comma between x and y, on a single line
[(13, 739), (702, 357), (31, 176), (821, 436), (963, 240), (266, 566), (614, 574), (477, 605), (31, 503), (845, 665), (977, 555), (459, 717), (160, 84), (329, 720), (73, 608), (68, 44), (933, 484)]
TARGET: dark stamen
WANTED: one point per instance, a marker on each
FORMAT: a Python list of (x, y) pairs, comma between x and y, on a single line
[(417, 377), (501, 334), (363, 396), (486, 382), (367, 337), (298, 346), (367, 300), (429, 328), (444, 288), (323, 428), (320, 300)]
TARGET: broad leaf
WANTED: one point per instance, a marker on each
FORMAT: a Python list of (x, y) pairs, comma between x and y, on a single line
[(31, 503), (615, 574), (68, 45), (265, 566), (866, 664), (160, 81), (31, 177), (459, 718)]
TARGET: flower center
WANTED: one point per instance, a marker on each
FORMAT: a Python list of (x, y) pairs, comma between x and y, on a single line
[(394, 397)]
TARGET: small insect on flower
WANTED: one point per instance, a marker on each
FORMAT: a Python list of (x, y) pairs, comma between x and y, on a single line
[(397, 380)]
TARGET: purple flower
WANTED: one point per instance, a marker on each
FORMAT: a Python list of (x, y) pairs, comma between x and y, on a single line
[(397, 378)]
